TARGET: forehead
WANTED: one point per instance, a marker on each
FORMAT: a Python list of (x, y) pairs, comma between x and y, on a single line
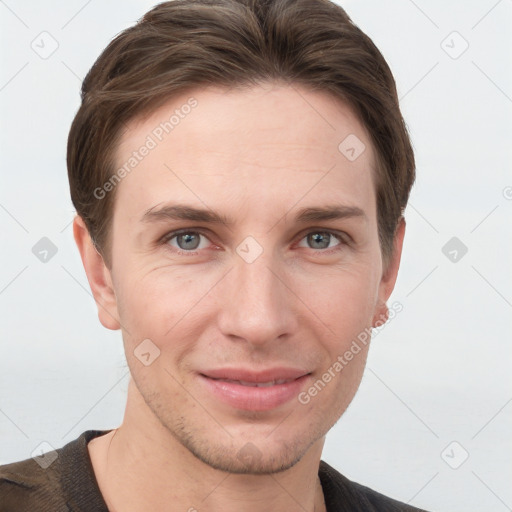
[(258, 145)]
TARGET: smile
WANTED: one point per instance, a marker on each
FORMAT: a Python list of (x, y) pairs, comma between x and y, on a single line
[(254, 391)]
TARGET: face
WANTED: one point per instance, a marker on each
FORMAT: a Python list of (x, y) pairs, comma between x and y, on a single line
[(246, 261)]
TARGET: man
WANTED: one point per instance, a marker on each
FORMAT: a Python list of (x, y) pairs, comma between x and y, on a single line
[(239, 170)]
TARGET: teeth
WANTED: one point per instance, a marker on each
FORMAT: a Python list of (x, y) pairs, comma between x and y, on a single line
[(257, 384)]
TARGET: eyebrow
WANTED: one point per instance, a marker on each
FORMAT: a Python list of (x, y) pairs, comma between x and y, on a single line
[(182, 212)]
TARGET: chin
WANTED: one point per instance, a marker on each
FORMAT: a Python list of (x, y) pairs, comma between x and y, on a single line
[(250, 454), (249, 459)]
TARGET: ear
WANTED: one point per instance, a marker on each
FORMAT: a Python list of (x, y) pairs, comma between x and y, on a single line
[(98, 275), (389, 275)]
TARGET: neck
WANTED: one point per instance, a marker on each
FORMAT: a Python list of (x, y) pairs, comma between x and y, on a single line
[(142, 466)]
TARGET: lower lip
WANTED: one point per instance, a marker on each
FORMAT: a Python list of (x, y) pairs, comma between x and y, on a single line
[(252, 398)]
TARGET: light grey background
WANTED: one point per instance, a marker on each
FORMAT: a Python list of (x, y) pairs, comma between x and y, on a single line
[(437, 373)]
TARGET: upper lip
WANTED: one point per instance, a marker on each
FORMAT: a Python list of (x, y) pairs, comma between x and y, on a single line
[(267, 375)]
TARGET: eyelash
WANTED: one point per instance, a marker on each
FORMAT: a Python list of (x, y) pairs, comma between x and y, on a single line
[(172, 234)]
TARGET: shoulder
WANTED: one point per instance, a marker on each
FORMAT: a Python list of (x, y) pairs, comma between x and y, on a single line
[(344, 494), (58, 481), (25, 485)]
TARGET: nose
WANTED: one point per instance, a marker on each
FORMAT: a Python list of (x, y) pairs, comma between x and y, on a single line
[(257, 302)]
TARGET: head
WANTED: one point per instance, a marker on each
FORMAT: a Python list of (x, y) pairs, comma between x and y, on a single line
[(264, 115)]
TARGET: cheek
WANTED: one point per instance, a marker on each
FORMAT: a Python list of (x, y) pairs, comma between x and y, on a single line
[(343, 300), (162, 306), (150, 293)]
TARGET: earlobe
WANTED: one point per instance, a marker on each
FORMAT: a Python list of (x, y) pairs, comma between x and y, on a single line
[(98, 275), (389, 275), (381, 315)]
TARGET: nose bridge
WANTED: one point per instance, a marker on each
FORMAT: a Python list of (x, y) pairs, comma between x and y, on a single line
[(256, 305)]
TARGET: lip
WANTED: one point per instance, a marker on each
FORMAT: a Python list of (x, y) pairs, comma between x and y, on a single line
[(252, 398)]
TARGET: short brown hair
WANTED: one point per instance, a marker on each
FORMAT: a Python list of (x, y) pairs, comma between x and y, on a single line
[(182, 44)]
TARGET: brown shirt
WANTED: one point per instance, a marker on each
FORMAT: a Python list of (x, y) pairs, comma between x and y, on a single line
[(68, 484)]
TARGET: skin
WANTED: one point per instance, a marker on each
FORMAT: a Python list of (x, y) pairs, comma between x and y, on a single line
[(257, 156)]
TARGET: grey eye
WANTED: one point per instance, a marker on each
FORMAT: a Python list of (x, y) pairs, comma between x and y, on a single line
[(319, 240), (188, 241)]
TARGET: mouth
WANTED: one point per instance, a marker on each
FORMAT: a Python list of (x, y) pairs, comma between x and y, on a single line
[(257, 384), (254, 391)]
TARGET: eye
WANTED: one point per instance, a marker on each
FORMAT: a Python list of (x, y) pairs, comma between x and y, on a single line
[(323, 240), (186, 241), (189, 242)]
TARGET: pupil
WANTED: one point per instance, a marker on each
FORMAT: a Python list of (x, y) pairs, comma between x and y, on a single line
[(188, 238), (321, 238)]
